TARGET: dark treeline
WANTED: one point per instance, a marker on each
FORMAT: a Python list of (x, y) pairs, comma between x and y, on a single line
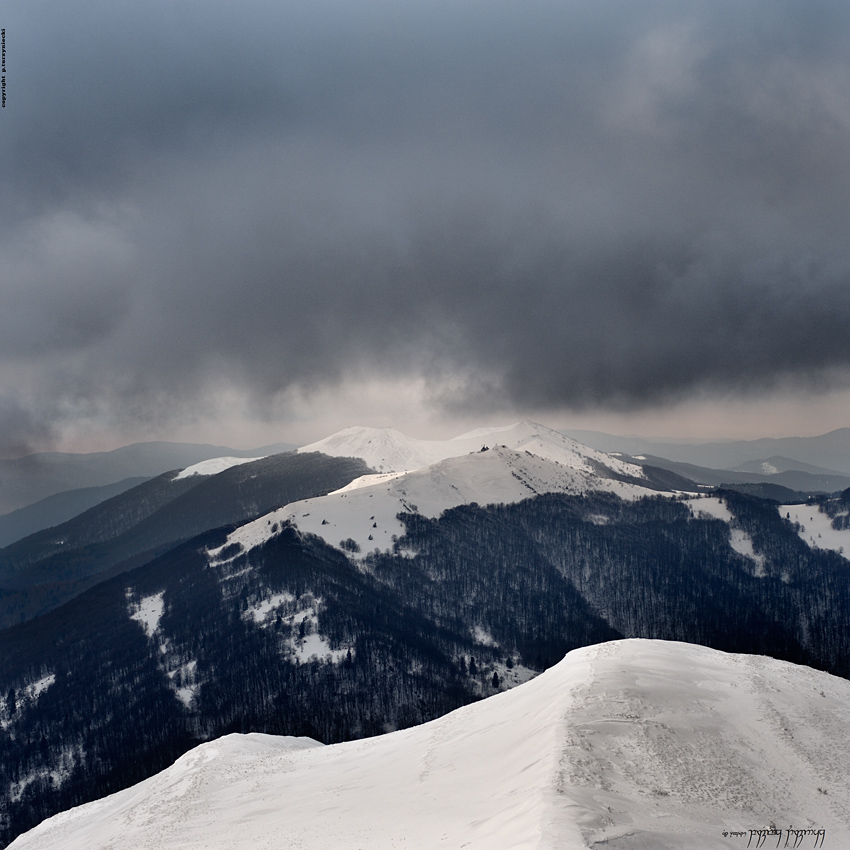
[(539, 578), (642, 569)]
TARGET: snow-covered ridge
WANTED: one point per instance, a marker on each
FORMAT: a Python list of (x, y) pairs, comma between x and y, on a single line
[(213, 466), (486, 466), (388, 450), (627, 744), (362, 516), (366, 512)]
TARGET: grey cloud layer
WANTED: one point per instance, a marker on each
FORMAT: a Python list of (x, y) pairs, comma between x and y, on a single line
[(549, 203)]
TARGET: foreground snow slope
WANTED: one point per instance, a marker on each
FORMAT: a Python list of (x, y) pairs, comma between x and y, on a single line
[(630, 744)]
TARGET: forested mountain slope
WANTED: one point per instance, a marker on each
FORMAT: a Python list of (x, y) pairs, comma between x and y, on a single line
[(58, 508), (26, 480), (294, 637), (43, 570)]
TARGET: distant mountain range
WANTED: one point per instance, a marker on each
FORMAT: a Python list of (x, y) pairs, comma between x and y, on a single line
[(830, 452), (374, 586), (58, 508), (788, 485), (47, 568), (624, 744), (45, 490), (26, 480)]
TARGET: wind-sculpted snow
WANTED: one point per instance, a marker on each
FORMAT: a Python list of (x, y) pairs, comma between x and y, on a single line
[(629, 744)]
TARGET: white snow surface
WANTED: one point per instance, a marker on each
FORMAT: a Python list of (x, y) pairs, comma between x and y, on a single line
[(147, 612), (739, 540), (816, 528), (213, 466), (24, 697), (261, 611), (388, 450), (629, 744), (366, 510)]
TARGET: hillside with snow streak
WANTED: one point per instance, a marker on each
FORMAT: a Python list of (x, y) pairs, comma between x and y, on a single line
[(628, 744)]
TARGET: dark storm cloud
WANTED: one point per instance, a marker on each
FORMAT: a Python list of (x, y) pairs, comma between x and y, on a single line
[(547, 204)]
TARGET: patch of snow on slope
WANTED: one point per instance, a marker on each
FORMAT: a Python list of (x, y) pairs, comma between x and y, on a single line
[(37, 688), (24, 698), (742, 543), (309, 644), (180, 673), (301, 637), (184, 683), (635, 743), (261, 611), (147, 612), (715, 508), (816, 528), (213, 466), (316, 647), (64, 763), (711, 507), (482, 636)]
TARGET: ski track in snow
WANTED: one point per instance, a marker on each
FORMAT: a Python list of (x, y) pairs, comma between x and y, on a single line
[(629, 744)]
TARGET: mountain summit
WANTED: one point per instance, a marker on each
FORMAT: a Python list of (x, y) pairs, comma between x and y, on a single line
[(388, 450), (486, 466)]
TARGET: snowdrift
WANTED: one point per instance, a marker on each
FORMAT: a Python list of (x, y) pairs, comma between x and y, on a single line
[(629, 744)]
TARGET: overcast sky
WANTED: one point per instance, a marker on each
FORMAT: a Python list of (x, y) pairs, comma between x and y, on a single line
[(254, 221)]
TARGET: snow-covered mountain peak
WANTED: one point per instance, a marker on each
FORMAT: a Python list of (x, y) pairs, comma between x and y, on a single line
[(384, 449), (388, 450), (633, 743), (486, 466), (479, 433), (363, 516)]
